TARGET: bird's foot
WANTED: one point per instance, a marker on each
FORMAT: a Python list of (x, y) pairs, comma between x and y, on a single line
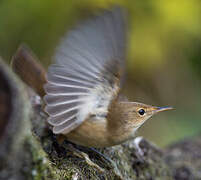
[(85, 156), (106, 160), (82, 152)]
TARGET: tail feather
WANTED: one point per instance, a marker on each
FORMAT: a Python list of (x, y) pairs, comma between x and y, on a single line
[(26, 66)]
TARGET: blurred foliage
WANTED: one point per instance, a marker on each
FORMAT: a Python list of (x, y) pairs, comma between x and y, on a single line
[(164, 51)]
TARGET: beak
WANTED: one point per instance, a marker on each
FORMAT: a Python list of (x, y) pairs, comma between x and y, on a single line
[(160, 109)]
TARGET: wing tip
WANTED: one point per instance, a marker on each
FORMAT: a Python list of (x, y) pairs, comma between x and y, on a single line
[(56, 131), (50, 120), (59, 130)]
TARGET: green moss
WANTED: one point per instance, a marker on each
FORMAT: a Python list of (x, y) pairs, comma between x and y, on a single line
[(41, 166)]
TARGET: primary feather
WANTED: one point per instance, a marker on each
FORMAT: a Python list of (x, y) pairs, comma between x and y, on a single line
[(85, 77)]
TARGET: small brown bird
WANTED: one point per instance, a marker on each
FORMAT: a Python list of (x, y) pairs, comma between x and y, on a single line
[(82, 86)]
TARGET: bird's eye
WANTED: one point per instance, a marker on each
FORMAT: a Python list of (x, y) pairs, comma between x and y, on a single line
[(141, 112)]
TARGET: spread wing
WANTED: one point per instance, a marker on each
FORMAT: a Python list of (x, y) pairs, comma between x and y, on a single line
[(86, 75)]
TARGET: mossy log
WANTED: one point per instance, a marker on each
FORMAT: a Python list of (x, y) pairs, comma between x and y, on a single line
[(28, 149)]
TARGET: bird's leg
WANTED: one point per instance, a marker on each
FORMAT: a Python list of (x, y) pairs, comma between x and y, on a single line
[(103, 158), (106, 160), (62, 148), (79, 153), (85, 156)]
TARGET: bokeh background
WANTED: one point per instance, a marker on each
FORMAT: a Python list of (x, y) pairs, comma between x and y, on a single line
[(164, 52)]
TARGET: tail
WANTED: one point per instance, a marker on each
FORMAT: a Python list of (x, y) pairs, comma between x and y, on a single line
[(26, 66)]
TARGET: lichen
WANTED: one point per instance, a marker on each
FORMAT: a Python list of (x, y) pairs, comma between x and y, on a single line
[(41, 166)]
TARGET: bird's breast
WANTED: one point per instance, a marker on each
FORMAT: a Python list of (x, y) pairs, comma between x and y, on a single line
[(94, 132)]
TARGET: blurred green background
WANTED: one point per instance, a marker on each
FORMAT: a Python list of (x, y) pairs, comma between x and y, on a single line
[(164, 52)]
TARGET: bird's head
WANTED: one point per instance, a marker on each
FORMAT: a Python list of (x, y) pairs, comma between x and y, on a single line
[(138, 113)]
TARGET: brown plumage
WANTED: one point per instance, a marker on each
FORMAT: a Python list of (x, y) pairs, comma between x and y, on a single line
[(83, 84), (26, 65)]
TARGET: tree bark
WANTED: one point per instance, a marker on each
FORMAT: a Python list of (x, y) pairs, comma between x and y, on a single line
[(29, 150)]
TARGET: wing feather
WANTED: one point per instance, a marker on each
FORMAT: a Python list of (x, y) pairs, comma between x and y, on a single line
[(60, 109), (71, 71), (86, 72), (67, 126), (59, 120), (57, 100), (62, 80)]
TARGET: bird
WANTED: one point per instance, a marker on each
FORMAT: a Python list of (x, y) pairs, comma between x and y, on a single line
[(82, 88)]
